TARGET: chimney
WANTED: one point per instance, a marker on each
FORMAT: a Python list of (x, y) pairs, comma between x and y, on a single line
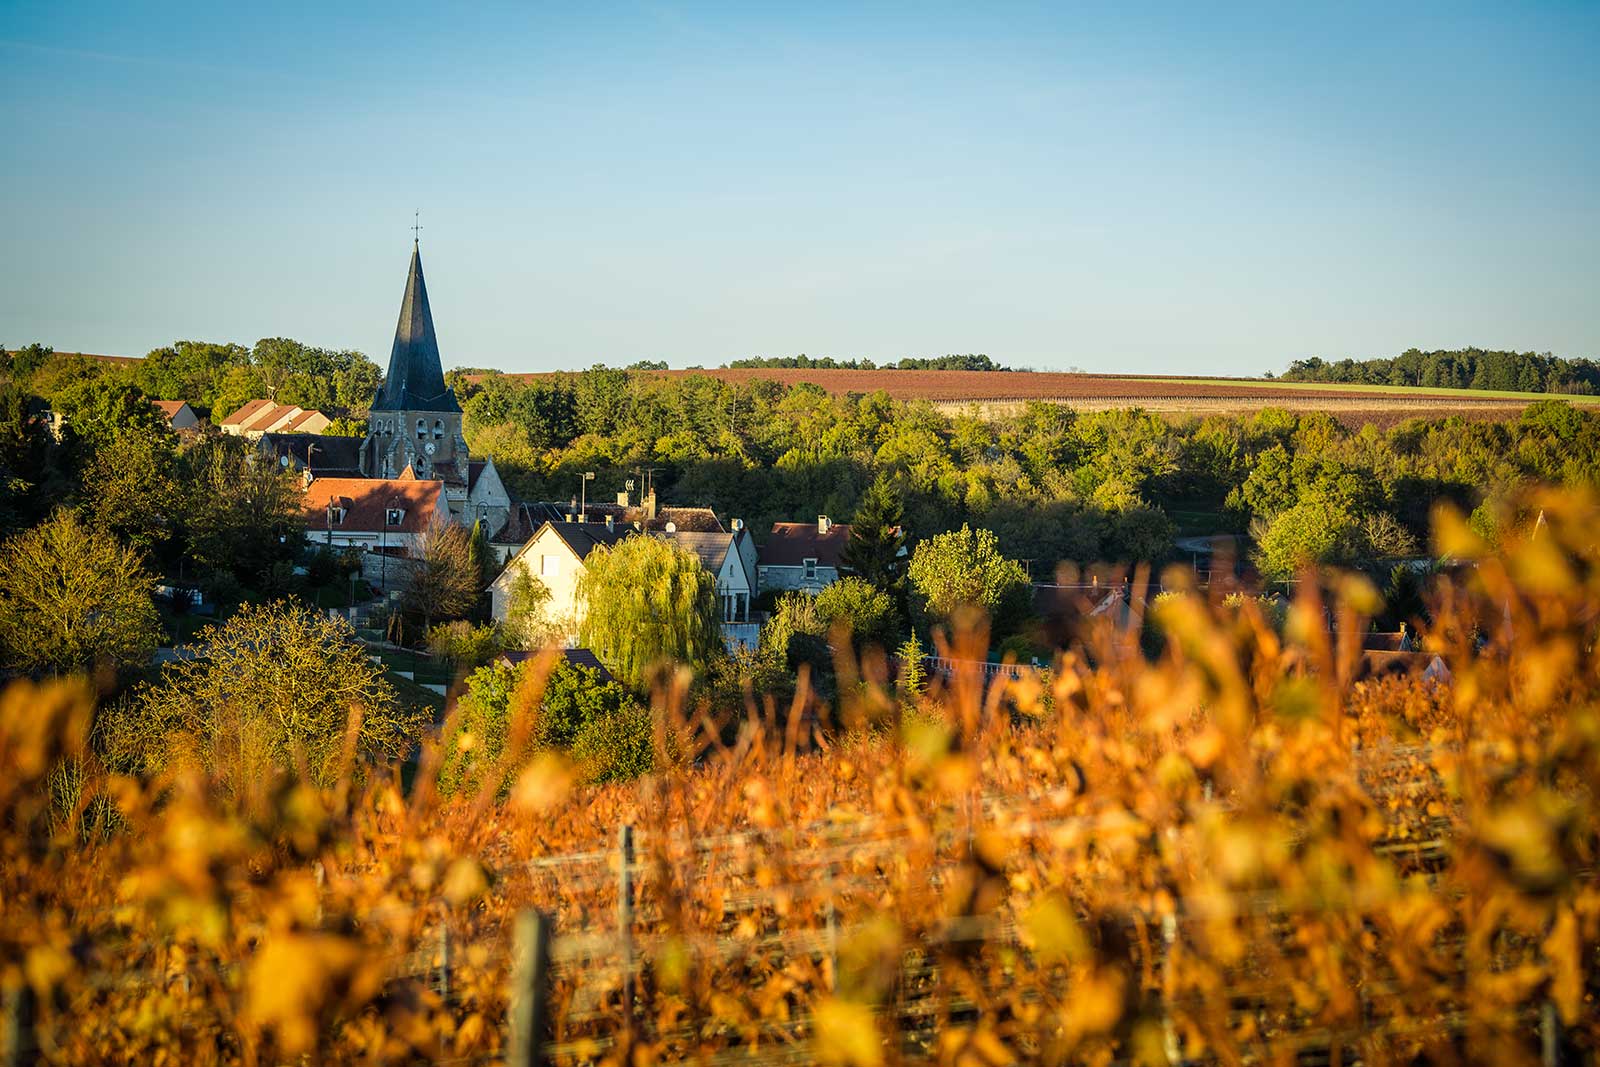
[(650, 504), (823, 524), (610, 524)]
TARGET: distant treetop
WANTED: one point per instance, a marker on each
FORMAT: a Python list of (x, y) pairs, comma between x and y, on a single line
[(1461, 368)]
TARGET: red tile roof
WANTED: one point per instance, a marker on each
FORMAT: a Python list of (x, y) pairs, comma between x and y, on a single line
[(366, 500), (251, 407), (792, 543)]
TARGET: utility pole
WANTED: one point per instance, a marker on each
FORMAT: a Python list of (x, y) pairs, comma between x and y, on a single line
[(588, 476)]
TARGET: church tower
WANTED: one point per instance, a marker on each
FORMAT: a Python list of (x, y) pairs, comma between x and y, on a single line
[(415, 420)]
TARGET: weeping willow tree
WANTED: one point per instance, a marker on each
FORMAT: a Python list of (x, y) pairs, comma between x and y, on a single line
[(646, 602)]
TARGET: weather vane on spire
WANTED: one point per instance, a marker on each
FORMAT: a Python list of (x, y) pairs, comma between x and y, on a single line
[(416, 227)]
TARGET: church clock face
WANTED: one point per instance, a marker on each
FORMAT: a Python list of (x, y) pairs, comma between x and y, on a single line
[(428, 448)]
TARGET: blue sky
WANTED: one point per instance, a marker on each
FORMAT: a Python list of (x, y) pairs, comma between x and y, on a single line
[(1172, 189)]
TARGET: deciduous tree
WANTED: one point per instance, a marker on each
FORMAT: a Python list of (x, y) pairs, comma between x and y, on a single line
[(964, 568), (277, 686), (647, 604), (72, 597)]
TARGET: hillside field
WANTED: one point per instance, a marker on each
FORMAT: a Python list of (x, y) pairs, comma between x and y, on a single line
[(999, 390)]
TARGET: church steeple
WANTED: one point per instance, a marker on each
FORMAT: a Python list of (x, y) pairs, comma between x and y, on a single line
[(415, 381), (415, 420)]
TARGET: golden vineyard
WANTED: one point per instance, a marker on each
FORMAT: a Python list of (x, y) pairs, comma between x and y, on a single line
[(1241, 851)]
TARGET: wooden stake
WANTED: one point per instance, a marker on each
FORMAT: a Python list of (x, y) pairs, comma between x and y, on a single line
[(21, 1047), (625, 920), (528, 1018)]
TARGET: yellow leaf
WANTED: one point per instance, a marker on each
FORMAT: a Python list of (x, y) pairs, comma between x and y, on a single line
[(846, 1035)]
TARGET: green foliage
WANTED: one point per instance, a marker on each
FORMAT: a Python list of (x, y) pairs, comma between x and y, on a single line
[(1465, 368), (868, 612), (99, 409), (1315, 531), (795, 633), (966, 569), (483, 721), (72, 598), (646, 604), (277, 687), (618, 747), (527, 623), (875, 551), (131, 488), (241, 516), (575, 696), (575, 699), (463, 644), (913, 671)]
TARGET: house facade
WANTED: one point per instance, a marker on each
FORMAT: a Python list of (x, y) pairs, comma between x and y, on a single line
[(179, 415), (555, 555), (803, 556), (558, 550), (732, 557), (391, 516)]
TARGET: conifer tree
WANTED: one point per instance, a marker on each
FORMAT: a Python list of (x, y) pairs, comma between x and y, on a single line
[(877, 538)]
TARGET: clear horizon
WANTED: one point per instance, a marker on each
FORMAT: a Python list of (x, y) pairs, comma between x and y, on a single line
[(1178, 191)]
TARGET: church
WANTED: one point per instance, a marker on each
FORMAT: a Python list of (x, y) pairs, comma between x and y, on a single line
[(414, 470)]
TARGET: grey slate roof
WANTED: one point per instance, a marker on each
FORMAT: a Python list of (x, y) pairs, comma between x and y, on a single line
[(712, 548), (338, 457), (584, 537), (415, 381)]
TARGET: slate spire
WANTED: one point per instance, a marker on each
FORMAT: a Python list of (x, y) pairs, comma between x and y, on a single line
[(415, 381)]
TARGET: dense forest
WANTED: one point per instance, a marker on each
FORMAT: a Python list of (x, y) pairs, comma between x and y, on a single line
[(1052, 483), (1464, 368)]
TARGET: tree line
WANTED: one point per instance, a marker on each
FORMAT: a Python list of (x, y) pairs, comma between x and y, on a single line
[(215, 379), (1462, 368), (1051, 483)]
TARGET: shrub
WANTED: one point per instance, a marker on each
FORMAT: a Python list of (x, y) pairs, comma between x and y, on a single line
[(273, 688), (464, 644), (617, 747)]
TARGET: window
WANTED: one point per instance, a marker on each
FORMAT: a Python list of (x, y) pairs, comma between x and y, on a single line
[(549, 564), (810, 566), (438, 429), (422, 428), (336, 516), (394, 516)]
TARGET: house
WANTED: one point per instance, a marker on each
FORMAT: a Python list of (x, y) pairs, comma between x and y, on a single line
[(558, 549), (257, 417), (731, 556), (803, 555), (555, 555), (386, 515), (179, 415)]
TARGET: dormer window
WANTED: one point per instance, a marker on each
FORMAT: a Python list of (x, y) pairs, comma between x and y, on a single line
[(422, 428), (438, 429), (336, 515), (394, 516)]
